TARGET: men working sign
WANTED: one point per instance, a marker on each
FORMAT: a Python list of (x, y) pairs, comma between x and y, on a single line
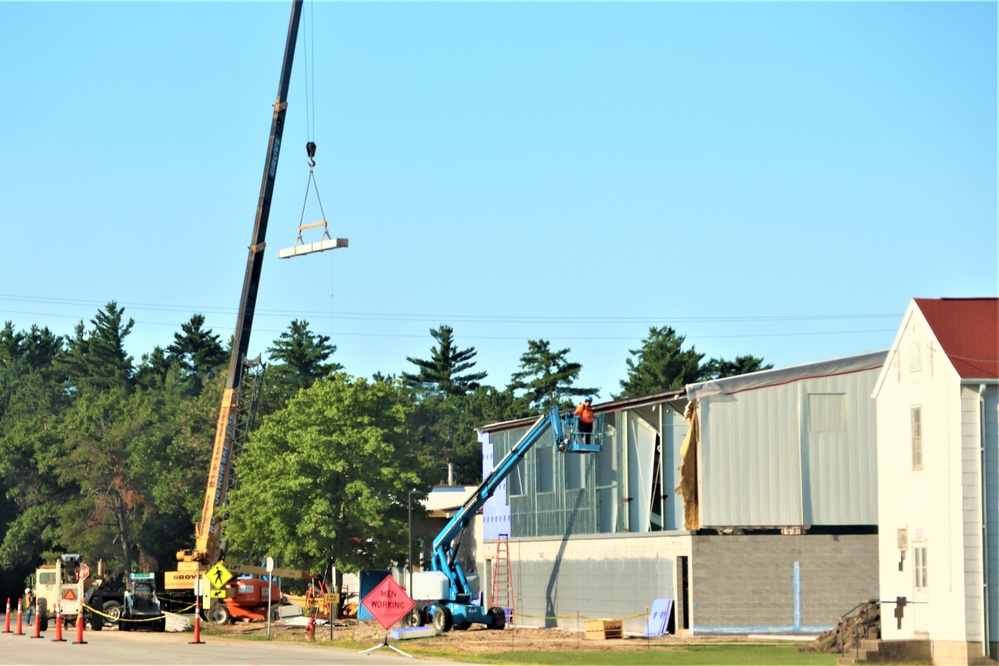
[(388, 603)]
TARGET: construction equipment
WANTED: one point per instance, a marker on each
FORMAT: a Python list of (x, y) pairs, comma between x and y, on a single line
[(66, 583), (141, 608), (453, 606), (318, 601), (241, 598)]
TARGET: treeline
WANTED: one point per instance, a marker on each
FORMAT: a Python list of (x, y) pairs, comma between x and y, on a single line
[(108, 457)]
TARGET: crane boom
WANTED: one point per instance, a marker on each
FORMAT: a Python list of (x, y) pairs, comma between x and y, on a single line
[(208, 529)]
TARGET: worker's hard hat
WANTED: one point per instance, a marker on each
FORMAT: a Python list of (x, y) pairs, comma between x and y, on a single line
[(27, 590), (589, 399)]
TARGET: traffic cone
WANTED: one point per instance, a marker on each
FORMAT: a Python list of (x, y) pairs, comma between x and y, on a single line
[(20, 618), (79, 628), (197, 622), (6, 624), (38, 620), (59, 638)]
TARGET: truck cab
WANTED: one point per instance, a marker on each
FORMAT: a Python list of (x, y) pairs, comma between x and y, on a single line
[(66, 585)]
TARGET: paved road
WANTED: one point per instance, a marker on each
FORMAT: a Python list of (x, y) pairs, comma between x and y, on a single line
[(141, 648)]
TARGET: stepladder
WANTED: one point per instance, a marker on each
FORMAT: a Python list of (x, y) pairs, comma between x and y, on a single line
[(501, 593)]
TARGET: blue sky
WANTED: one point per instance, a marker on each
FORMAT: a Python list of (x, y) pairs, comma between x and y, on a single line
[(776, 179)]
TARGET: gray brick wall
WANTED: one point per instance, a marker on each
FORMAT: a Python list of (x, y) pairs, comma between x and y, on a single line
[(741, 581)]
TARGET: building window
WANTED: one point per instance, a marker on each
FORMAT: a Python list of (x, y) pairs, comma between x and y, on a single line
[(545, 459), (826, 412), (915, 357), (920, 566), (917, 438)]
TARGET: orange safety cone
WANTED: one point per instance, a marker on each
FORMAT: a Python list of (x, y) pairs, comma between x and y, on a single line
[(197, 623), (20, 618), (59, 638), (38, 620), (6, 624), (79, 627)]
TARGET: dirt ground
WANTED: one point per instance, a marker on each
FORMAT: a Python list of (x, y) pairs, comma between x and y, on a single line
[(476, 640)]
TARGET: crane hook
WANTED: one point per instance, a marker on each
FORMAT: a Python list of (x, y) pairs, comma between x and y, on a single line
[(310, 149)]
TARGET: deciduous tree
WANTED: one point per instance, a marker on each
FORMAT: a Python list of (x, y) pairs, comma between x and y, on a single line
[(329, 477)]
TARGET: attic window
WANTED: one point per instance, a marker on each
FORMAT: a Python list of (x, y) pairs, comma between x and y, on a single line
[(916, 423), (915, 357)]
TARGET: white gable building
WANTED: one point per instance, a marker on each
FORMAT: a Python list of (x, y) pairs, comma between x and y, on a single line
[(938, 479)]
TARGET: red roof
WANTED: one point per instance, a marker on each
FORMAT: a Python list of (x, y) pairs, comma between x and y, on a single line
[(968, 331)]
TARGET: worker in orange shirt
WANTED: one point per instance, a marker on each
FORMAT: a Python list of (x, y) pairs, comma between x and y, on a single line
[(584, 417)]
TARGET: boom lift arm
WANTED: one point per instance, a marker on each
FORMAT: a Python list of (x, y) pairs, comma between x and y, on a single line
[(457, 609)]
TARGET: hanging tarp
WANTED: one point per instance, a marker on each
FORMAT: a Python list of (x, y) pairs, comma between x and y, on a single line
[(687, 488)]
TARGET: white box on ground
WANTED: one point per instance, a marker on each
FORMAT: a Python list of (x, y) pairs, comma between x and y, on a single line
[(402, 633)]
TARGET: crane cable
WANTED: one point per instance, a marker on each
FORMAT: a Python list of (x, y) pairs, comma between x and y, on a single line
[(309, 71)]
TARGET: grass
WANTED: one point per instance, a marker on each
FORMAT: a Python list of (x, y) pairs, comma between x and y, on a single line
[(709, 655), (728, 653)]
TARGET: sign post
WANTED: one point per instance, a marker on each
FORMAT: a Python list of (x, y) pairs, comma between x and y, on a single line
[(270, 583), (388, 603)]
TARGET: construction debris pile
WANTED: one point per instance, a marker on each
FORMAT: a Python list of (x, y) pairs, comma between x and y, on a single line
[(863, 623)]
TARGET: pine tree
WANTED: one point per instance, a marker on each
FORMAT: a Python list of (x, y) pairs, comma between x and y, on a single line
[(442, 373), (547, 377), (198, 351), (301, 357), (661, 364), (719, 368)]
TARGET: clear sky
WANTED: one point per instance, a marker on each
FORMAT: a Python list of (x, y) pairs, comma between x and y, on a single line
[(776, 179)]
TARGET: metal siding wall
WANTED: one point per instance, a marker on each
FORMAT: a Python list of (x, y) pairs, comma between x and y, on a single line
[(839, 470), (761, 467), (750, 467)]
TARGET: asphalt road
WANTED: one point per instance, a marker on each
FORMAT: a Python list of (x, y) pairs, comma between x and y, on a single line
[(140, 648)]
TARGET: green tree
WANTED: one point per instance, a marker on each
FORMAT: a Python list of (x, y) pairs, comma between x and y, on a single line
[(97, 358), (719, 368), (329, 476), (30, 407), (198, 351), (661, 364), (154, 368), (546, 377), (446, 430), (300, 357), (442, 372)]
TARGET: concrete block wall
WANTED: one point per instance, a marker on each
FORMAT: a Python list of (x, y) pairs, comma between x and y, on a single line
[(746, 583), (556, 581)]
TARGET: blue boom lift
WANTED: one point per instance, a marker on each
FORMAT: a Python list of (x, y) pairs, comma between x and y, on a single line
[(457, 610)]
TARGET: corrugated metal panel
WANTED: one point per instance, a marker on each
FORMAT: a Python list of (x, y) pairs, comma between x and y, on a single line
[(762, 464), (749, 459)]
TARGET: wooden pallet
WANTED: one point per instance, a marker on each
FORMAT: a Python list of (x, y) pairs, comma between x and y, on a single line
[(601, 630)]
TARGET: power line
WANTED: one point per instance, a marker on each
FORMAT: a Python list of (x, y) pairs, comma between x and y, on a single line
[(412, 317)]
